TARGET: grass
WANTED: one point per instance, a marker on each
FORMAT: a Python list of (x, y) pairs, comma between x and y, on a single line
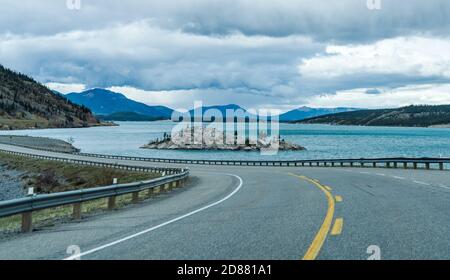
[(50, 176)]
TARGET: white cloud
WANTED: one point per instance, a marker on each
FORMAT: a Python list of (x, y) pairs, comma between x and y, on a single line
[(248, 52), (432, 94), (411, 56), (143, 56), (66, 88)]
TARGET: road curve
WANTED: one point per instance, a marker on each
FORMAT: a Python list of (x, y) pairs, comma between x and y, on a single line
[(270, 213)]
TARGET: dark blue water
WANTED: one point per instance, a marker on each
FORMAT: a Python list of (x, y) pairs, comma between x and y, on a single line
[(321, 141)]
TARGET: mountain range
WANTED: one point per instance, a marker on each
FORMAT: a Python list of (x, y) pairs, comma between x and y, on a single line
[(25, 103), (105, 102), (110, 105)]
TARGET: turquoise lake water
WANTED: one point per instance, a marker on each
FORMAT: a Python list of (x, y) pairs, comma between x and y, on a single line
[(321, 141)]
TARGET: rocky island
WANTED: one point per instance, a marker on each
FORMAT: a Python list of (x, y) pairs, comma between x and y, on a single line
[(213, 139)]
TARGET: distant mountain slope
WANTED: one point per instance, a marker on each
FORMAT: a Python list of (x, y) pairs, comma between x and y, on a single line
[(294, 115), (25, 103), (307, 112), (105, 102), (414, 116), (128, 116)]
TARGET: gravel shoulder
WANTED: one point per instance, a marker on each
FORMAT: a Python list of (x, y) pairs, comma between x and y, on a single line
[(11, 183)]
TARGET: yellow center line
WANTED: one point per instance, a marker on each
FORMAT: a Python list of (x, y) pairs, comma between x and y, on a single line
[(337, 228), (338, 198), (316, 245), (328, 188)]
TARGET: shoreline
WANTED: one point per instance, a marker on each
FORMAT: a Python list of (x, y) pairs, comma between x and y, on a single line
[(105, 124), (116, 124), (368, 126)]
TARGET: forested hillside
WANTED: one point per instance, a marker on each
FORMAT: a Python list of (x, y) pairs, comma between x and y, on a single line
[(25, 103), (415, 116)]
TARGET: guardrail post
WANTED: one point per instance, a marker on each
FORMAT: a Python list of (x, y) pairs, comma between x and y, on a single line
[(405, 165), (150, 192), (374, 164), (112, 202), (388, 164), (441, 166), (351, 164), (415, 165), (395, 164), (76, 213), (27, 222), (135, 198), (342, 164), (427, 165)]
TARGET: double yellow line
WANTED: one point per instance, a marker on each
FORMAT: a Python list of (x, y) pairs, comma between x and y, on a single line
[(316, 245)]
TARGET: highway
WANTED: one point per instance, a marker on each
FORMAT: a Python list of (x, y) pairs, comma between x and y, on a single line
[(270, 213)]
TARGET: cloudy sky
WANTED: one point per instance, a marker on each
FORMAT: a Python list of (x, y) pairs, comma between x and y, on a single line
[(256, 53)]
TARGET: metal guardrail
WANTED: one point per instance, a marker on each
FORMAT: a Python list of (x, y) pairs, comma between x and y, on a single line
[(397, 162), (427, 163), (44, 201), (165, 170), (27, 205)]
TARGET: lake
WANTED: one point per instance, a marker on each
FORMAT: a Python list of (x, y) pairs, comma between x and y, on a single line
[(321, 141)]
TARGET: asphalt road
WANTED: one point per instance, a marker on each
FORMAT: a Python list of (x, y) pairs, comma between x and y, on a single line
[(231, 212)]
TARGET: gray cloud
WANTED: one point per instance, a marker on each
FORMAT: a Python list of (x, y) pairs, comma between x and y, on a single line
[(155, 59), (326, 20), (247, 48)]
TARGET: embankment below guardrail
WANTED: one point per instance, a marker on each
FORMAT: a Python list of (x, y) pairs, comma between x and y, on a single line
[(172, 177)]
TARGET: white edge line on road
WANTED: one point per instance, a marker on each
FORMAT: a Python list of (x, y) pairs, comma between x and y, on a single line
[(430, 185), (444, 187), (422, 183), (77, 256)]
